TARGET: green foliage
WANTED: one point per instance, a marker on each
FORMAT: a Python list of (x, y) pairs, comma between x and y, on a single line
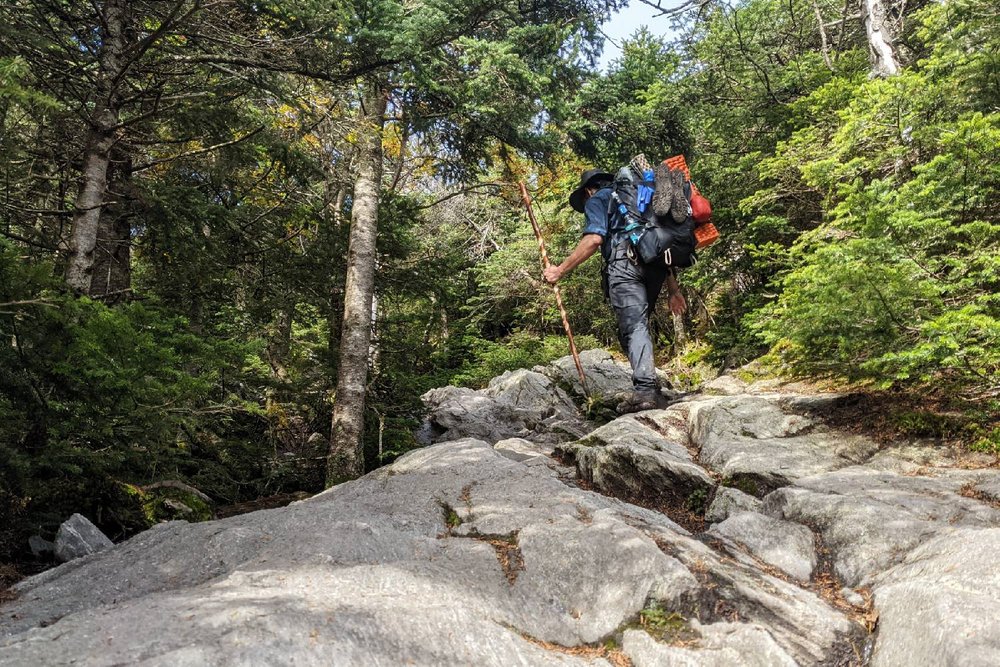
[(927, 424), (164, 504), (860, 232), (451, 518), (697, 501), (96, 398), (941, 418), (899, 283), (12, 519), (666, 626), (635, 108), (519, 350), (13, 72), (690, 366), (988, 442)]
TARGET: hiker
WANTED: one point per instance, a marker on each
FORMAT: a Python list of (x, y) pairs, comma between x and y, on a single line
[(632, 287)]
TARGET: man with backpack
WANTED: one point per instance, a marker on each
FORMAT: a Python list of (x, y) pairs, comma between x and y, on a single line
[(630, 284)]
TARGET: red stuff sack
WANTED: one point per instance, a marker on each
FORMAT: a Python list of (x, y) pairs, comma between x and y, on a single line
[(701, 208)]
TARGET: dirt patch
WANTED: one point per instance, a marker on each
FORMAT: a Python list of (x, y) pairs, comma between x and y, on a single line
[(610, 652), (675, 508), (9, 575), (680, 423), (686, 511), (718, 600), (508, 555), (828, 586), (507, 549), (267, 503), (450, 517), (970, 491), (890, 417), (466, 495)]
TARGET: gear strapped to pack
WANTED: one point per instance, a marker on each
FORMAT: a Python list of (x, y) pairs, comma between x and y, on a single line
[(653, 204), (705, 233)]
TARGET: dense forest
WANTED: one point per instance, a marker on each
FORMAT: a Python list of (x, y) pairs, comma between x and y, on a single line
[(238, 240)]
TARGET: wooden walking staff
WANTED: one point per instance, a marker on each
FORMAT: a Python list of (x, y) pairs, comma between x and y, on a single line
[(555, 288)]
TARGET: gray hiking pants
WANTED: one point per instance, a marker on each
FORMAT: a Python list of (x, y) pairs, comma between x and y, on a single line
[(632, 290)]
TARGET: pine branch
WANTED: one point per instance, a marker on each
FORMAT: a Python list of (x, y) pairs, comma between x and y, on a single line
[(200, 151)]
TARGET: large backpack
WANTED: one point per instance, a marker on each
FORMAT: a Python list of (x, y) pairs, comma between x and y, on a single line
[(670, 237)]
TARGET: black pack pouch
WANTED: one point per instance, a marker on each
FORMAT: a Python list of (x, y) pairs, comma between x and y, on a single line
[(673, 243)]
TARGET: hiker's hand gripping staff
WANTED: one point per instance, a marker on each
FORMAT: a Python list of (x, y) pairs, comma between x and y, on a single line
[(547, 270), (589, 244)]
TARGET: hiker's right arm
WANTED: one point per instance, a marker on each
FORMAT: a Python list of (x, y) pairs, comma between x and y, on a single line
[(595, 228), (587, 246)]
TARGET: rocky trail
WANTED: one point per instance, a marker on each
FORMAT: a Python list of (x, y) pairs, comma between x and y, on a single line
[(734, 527)]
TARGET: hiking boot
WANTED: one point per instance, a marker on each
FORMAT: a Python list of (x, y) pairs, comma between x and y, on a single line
[(640, 401), (663, 196), (679, 204)]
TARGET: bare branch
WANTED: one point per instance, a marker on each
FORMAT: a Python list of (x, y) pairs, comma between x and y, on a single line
[(674, 11), (825, 46), (461, 192), (168, 22), (286, 68), (28, 302), (200, 151)]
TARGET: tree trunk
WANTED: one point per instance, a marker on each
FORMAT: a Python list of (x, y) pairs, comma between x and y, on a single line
[(335, 317), (279, 343), (90, 203), (346, 459), (97, 149), (111, 277), (680, 332), (875, 19)]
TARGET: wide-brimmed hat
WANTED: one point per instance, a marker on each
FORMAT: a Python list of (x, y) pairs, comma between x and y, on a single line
[(579, 196)]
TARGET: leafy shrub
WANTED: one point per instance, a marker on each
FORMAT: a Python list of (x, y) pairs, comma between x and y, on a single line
[(520, 350), (94, 398), (898, 285)]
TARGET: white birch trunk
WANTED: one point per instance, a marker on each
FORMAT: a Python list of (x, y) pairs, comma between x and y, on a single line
[(346, 459), (880, 38)]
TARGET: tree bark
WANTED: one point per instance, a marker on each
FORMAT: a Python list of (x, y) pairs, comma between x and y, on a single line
[(680, 332), (824, 42), (279, 342), (346, 458), (335, 317), (111, 276), (90, 200), (278, 350), (883, 57)]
